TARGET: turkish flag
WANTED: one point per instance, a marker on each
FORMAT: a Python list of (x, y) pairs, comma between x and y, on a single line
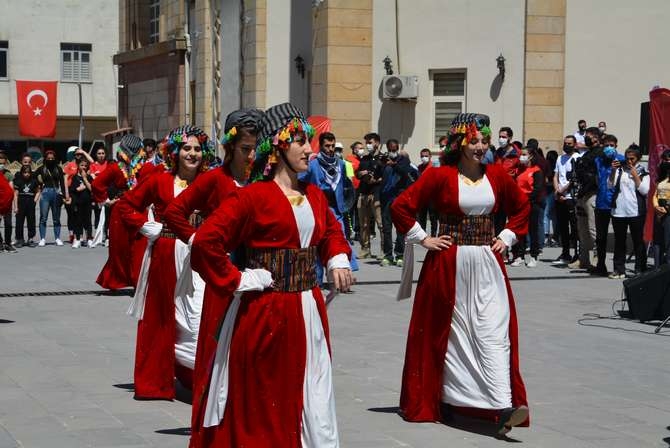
[(320, 124), (37, 103)]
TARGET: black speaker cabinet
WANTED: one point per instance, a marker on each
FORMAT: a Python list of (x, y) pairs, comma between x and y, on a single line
[(648, 294)]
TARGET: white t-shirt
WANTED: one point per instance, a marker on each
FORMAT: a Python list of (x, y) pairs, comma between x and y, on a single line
[(626, 203), (564, 165), (579, 137)]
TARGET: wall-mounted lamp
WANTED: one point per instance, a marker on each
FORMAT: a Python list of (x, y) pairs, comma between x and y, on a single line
[(387, 65), (300, 66), (500, 63)]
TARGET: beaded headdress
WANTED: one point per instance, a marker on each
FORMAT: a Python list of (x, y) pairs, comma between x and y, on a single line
[(172, 143), (464, 127)]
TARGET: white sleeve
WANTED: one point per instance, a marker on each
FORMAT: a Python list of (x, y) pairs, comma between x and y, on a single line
[(339, 261), (643, 189), (508, 237), (416, 234)]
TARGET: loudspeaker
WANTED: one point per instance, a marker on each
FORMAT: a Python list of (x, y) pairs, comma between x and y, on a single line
[(648, 294)]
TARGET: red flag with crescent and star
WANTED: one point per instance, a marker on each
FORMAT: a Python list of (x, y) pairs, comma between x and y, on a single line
[(37, 103)]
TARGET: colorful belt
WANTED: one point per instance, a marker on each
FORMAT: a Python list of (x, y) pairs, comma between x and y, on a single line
[(293, 270), (467, 230)]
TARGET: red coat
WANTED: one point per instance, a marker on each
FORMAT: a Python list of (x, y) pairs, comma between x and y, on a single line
[(267, 353), (435, 294), (156, 332), (118, 272), (6, 196)]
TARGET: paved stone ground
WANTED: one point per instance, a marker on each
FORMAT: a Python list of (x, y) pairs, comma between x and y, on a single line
[(66, 364)]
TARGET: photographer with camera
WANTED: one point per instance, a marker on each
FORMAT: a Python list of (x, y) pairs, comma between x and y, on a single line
[(370, 175), (565, 203), (586, 183), (661, 203)]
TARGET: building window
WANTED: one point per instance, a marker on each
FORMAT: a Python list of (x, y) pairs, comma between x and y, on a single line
[(4, 46), (75, 62), (154, 20), (448, 100)]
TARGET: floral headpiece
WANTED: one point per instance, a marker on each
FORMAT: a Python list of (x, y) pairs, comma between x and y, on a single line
[(278, 129), (130, 167), (172, 143), (464, 128)]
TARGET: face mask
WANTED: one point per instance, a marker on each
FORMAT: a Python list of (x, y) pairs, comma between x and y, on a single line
[(369, 147), (502, 142), (582, 128), (361, 152), (602, 129), (664, 166), (524, 159), (338, 154), (425, 159), (393, 155), (609, 152), (568, 149), (588, 141), (50, 163)]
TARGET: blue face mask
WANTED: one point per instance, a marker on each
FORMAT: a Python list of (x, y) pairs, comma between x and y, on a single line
[(609, 152)]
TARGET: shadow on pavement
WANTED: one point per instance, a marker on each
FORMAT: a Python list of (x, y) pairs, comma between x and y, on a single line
[(175, 431)]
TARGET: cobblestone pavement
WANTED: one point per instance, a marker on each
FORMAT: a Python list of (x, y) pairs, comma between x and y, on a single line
[(66, 363)]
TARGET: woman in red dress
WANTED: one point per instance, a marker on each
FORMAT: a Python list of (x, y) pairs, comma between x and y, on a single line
[(270, 382), (158, 354), (121, 176), (462, 348), (202, 197)]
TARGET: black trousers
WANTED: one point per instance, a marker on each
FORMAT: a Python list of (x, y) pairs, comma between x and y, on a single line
[(621, 227), (25, 212), (81, 219), (536, 214), (567, 225), (424, 215), (387, 231), (602, 229)]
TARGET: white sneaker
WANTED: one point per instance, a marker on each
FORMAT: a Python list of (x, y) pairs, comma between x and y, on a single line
[(42, 243), (58, 242), (532, 263), (107, 243), (76, 244), (517, 262)]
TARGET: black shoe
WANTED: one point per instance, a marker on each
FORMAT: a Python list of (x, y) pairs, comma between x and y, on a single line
[(599, 271), (561, 261), (510, 418), (31, 243), (10, 249), (19, 244)]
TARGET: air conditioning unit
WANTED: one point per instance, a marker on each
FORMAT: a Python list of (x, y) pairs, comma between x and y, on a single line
[(399, 87)]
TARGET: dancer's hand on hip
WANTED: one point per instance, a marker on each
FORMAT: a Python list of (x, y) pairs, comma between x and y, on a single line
[(437, 243)]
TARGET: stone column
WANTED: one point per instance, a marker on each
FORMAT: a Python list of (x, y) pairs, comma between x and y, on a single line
[(203, 70), (254, 54), (545, 72), (342, 68)]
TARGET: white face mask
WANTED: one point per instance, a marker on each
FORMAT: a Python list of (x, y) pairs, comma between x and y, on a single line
[(369, 147), (524, 159), (425, 159), (602, 128), (502, 142), (361, 152), (393, 154)]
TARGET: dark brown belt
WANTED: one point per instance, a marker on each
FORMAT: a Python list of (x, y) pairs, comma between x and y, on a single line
[(166, 232), (293, 270), (468, 230)]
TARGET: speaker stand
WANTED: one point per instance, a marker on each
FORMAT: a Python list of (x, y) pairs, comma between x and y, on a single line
[(662, 325)]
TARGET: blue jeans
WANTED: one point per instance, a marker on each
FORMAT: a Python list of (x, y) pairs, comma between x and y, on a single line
[(320, 271), (549, 216), (50, 200)]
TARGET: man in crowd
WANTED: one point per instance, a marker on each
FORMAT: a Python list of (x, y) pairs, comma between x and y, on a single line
[(370, 175), (586, 176), (579, 135), (354, 160), (508, 157), (428, 212), (150, 149), (602, 127), (565, 203), (604, 200), (398, 174)]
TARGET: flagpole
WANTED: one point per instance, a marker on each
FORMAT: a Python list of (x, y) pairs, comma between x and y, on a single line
[(81, 117)]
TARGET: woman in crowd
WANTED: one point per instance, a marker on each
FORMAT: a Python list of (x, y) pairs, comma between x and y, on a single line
[(26, 195), (550, 226), (462, 347), (6, 196), (631, 185), (80, 193), (270, 383), (160, 354), (661, 202), (200, 200), (531, 182), (120, 177), (96, 167), (52, 185)]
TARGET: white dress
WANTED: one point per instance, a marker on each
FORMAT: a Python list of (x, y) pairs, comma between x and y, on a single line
[(477, 362)]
